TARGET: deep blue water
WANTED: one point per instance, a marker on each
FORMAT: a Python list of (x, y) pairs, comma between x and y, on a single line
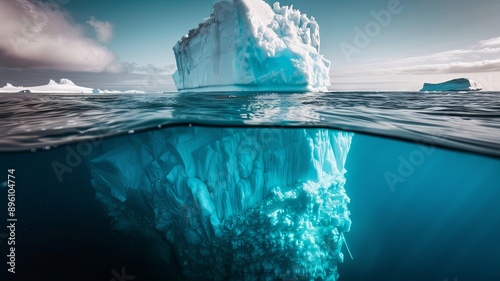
[(423, 176)]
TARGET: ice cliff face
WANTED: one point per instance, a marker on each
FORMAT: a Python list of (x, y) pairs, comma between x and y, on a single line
[(247, 45), (460, 84), (234, 204)]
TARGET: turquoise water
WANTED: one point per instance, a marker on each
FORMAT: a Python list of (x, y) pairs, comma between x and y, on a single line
[(439, 222), (423, 178)]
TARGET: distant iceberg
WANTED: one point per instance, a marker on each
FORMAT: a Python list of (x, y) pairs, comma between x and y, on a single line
[(245, 45), (65, 86), (133, 92), (9, 88), (460, 84)]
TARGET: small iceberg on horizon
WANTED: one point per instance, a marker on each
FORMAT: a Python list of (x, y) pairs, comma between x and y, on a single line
[(460, 84), (247, 45), (64, 86)]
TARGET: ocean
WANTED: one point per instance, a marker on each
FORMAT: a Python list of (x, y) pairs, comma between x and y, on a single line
[(91, 178)]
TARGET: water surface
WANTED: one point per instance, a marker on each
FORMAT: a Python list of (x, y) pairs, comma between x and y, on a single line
[(466, 121)]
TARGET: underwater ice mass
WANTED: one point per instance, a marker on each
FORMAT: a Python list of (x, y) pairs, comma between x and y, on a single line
[(245, 45), (233, 204)]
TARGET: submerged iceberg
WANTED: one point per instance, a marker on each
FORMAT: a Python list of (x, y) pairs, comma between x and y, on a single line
[(460, 84), (232, 204), (245, 45)]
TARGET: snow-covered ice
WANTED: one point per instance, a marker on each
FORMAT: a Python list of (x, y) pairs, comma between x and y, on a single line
[(460, 84), (9, 88), (65, 86), (234, 204), (247, 45)]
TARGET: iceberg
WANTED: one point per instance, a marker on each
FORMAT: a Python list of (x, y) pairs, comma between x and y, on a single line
[(247, 45), (65, 86), (231, 203), (460, 84), (9, 88), (133, 92)]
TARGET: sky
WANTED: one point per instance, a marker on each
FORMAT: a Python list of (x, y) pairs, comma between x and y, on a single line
[(127, 44)]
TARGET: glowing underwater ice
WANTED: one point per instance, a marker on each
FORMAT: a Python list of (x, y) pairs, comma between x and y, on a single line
[(235, 204)]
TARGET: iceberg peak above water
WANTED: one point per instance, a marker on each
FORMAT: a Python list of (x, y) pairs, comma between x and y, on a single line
[(62, 81), (247, 45)]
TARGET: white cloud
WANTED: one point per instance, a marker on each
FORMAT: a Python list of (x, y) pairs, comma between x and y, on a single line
[(491, 42), (479, 57), (103, 29), (456, 67), (42, 36)]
